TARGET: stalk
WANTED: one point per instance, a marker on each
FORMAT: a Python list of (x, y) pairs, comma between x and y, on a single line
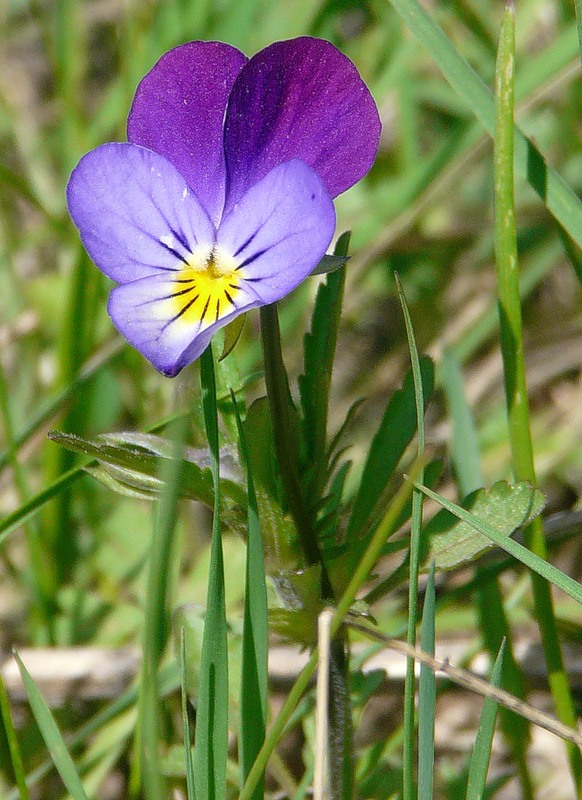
[(512, 348)]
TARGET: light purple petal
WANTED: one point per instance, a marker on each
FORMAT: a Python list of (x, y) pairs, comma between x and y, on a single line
[(279, 230), (304, 99), (147, 315), (178, 111), (135, 213)]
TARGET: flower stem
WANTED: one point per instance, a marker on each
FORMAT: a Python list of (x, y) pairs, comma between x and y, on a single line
[(514, 370)]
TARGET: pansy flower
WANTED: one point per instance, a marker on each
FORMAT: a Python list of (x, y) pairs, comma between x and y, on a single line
[(221, 200)]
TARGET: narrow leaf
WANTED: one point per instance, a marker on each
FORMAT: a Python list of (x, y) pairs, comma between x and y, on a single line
[(52, 736), (254, 667), (12, 739), (481, 754), (314, 385), (427, 696), (211, 739)]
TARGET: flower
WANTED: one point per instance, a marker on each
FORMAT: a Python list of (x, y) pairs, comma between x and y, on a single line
[(221, 200)]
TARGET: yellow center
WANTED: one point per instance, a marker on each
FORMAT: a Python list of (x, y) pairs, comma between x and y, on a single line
[(206, 289)]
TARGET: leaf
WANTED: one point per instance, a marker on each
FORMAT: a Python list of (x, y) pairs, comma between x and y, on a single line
[(396, 431), (481, 754), (52, 736), (232, 333), (330, 263), (314, 385), (277, 528), (505, 506), (211, 733), (255, 638), (134, 461), (518, 551)]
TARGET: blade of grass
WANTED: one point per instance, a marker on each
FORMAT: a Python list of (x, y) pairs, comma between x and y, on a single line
[(107, 354), (415, 533), (254, 664), (512, 349), (186, 721), (12, 739), (156, 622), (211, 737), (52, 736), (168, 682), (427, 696), (558, 196), (578, 7), (481, 754)]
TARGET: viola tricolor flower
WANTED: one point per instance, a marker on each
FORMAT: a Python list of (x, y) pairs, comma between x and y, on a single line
[(221, 200)]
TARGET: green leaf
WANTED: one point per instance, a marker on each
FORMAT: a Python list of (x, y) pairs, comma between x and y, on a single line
[(188, 761), (395, 433), (518, 551), (452, 542), (211, 738), (314, 385), (161, 569), (134, 462), (254, 665), (277, 528), (481, 754), (52, 736), (330, 263), (232, 333), (12, 740), (427, 696), (465, 447)]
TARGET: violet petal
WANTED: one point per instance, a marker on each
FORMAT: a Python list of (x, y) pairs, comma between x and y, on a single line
[(304, 99), (178, 111), (279, 230), (135, 213), (147, 313)]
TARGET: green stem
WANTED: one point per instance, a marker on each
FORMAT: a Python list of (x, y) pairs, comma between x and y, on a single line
[(514, 368)]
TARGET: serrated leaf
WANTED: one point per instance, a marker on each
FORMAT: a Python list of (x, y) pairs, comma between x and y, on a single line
[(505, 506)]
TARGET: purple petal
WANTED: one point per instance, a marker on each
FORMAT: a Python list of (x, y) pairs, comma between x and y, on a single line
[(178, 111), (166, 328), (135, 213), (279, 230), (300, 99)]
